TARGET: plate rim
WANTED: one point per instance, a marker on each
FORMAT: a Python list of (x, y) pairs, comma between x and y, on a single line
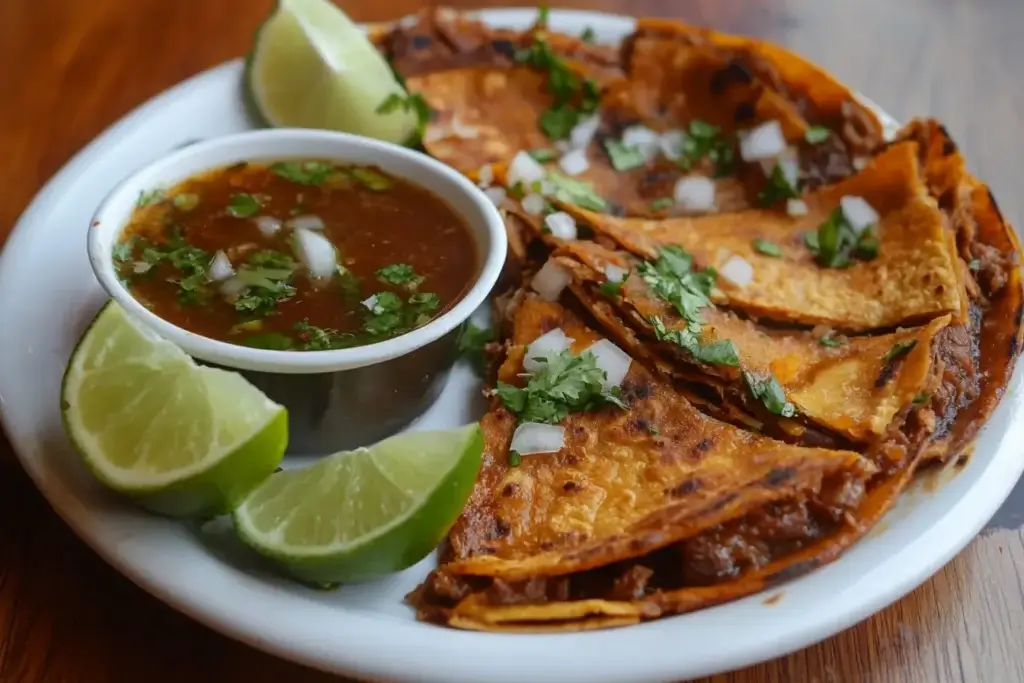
[(941, 541)]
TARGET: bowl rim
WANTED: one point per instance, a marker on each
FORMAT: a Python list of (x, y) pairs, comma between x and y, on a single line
[(339, 147)]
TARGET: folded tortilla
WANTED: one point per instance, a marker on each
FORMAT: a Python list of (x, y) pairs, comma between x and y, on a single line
[(626, 482), (913, 279)]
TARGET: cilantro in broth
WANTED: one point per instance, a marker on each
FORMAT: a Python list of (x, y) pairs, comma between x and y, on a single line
[(243, 205), (565, 384), (400, 274), (303, 172), (371, 179), (186, 201), (314, 338), (148, 198)]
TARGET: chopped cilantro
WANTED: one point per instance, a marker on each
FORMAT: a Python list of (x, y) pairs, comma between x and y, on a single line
[(777, 189), (565, 384), (673, 279), (974, 265), (411, 102), (400, 274), (767, 247), (150, 197), (578, 192), (243, 205), (272, 341), (588, 35), (836, 242), (830, 341), (542, 15), (191, 262), (391, 316), (185, 202), (661, 204), (259, 301), (921, 399), (816, 135), (573, 96), (268, 258), (704, 140), (721, 352), (371, 179), (303, 172), (612, 289), (472, 342), (349, 284), (769, 392), (623, 158), (122, 251), (542, 154), (514, 459), (319, 338), (899, 349)]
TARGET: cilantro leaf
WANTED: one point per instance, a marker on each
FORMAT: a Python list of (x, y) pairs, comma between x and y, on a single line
[(721, 352), (542, 15), (272, 341), (816, 135), (557, 122), (767, 247), (578, 192), (704, 140), (303, 172), (400, 274), (268, 258), (472, 342), (243, 205), (836, 242), (588, 35), (830, 341), (122, 251), (623, 158), (921, 399), (661, 204), (410, 102), (542, 154), (898, 349), (150, 197), (974, 265), (777, 189), (769, 392), (371, 179), (514, 459), (612, 289), (319, 338), (565, 384)]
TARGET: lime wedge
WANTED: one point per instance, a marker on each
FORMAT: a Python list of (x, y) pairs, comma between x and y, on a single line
[(358, 514), (183, 439), (311, 67)]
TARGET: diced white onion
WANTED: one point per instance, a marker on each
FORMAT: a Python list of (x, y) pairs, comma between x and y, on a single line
[(672, 143), (535, 437), (370, 302), (220, 267), (615, 273), (796, 207), (524, 169), (305, 223), (574, 162), (544, 347), (550, 280), (738, 271), (140, 267), (762, 142), (613, 360), (268, 225), (858, 213), (695, 193), (583, 132), (642, 139), (561, 225), (496, 194), (315, 252), (547, 188), (233, 287), (859, 163), (462, 130), (790, 171), (485, 176), (533, 204)]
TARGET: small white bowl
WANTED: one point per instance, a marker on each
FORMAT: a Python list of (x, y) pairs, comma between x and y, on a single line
[(336, 399), (462, 195)]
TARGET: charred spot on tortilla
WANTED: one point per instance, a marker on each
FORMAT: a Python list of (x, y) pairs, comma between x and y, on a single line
[(685, 488), (733, 72), (510, 489), (779, 476), (744, 112)]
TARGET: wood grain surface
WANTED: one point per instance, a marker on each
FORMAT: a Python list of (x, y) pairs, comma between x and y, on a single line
[(70, 69)]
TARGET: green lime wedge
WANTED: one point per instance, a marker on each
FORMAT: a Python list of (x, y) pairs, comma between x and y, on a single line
[(359, 514), (311, 67), (183, 439)]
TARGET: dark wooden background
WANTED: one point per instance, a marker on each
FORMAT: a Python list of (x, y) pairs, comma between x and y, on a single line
[(70, 69)]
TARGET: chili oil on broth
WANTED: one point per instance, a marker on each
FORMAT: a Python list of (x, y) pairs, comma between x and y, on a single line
[(403, 255)]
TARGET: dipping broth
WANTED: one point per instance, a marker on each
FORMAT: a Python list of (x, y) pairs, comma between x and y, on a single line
[(301, 255)]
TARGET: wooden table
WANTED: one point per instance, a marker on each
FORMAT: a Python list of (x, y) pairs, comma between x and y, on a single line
[(69, 69)]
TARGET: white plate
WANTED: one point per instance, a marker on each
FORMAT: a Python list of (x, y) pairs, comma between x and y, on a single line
[(366, 630)]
